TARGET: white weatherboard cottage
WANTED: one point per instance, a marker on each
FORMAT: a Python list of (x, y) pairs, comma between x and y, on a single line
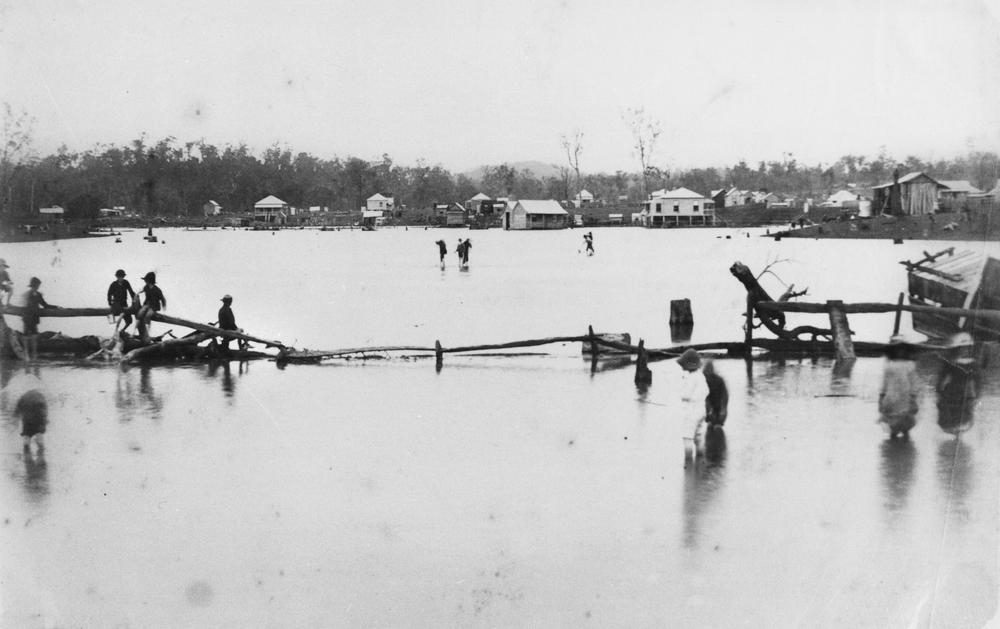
[(680, 206)]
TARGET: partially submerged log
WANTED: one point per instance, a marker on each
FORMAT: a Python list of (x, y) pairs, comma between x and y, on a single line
[(214, 331), (773, 320)]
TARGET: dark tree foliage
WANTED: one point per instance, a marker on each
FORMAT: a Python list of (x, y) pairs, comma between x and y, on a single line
[(170, 178)]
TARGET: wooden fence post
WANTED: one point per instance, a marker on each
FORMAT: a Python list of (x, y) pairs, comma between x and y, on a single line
[(842, 343), (748, 331), (642, 373), (899, 315), (438, 355)]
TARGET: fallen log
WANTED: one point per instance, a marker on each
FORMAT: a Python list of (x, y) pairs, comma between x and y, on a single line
[(214, 331), (874, 308), (18, 311), (773, 320), (165, 346)]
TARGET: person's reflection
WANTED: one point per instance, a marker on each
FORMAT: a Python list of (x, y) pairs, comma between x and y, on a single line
[(954, 464), (146, 391), (124, 397), (228, 384), (957, 386), (701, 481), (899, 457), (36, 475)]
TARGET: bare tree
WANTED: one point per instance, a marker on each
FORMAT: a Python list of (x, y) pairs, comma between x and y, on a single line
[(573, 146), (645, 131)]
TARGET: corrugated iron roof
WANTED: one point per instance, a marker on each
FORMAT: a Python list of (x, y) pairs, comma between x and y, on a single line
[(909, 177), (960, 185), (967, 265), (270, 201), (541, 207)]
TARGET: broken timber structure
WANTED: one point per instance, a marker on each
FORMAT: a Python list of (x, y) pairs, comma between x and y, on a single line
[(835, 341)]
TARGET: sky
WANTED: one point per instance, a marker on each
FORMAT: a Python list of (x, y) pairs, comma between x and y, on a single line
[(463, 84)]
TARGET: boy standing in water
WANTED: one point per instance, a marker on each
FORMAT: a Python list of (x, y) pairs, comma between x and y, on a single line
[(33, 302), (693, 394), (897, 400), (155, 301), (443, 250)]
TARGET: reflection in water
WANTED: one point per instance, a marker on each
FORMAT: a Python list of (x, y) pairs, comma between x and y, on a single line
[(153, 401), (954, 464), (899, 457), (701, 483), (228, 384), (124, 397), (841, 375), (36, 476)]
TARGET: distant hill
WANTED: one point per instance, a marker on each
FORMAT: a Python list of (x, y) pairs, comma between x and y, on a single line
[(540, 170)]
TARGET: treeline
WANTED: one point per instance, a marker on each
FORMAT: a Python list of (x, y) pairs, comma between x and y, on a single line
[(169, 178)]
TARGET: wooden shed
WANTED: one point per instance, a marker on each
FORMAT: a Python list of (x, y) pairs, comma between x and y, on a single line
[(536, 214), (913, 194)]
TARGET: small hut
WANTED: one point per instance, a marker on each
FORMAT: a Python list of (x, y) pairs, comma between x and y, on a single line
[(536, 214), (913, 194)]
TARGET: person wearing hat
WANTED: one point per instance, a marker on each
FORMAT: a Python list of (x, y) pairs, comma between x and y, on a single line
[(154, 302), (119, 293), (227, 321), (6, 285), (957, 385), (33, 303), (897, 399), (693, 394)]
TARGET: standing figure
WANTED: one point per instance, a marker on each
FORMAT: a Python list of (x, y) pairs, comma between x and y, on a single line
[(119, 293), (33, 303), (155, 301), (588, 240), (443, 250), (693, 393), (460, 251), (6, 285), (957, 385), (717, 400), (227, 321), (897, 400), (34, 413), (465, 252)]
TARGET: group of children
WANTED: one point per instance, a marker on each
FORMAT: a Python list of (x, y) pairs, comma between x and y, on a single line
[(119, 293)]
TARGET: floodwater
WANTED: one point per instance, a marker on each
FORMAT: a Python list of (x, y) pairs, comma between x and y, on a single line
[(523, 491)]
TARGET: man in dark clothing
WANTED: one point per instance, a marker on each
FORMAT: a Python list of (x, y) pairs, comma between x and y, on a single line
[(155, 301), (443, 250), (717, 400), (119, 293), (465, 252), (227, 321)]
